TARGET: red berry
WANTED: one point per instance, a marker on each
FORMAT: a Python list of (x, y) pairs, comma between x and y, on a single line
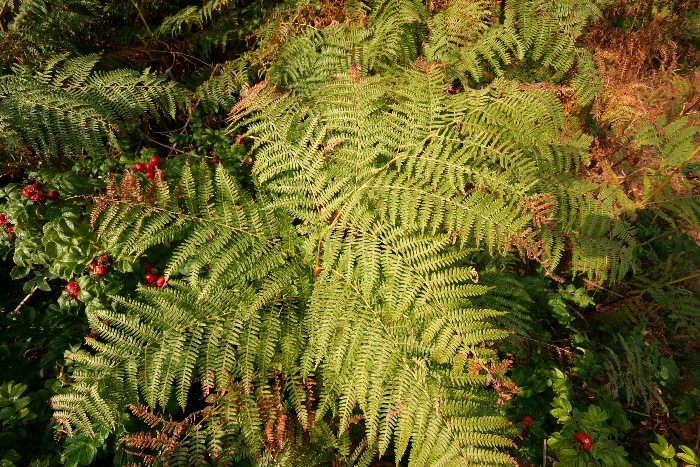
[(582, 440), (52, 195), (10, 229), (148, 267), (139, 166), (31, 190), (37, 197), (216, 160), (73, 289), (150, 277), (154, 161), (100, 270), (528, 419), (28, 191), (92, 265), (105, 261), (161, 282), (3, 219), (150, 173)]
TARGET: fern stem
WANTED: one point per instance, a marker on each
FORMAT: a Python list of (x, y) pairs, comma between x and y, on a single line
[(145, 23), (544, 453), (2, 10), (683, 279)]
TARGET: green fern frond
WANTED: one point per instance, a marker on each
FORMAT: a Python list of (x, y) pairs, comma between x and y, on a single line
[(668, 191), (321, 159), (46, 27), (396, 344), (416, 155), (312, 56), (211, 219), (69, 108), (220, 91), (636, 371), (189, 17), (464, 36), (395, 309)]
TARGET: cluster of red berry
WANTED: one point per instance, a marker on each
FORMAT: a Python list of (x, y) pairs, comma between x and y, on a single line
[(583, 441), (153, 280), (34, 193), (101, 265), (8, 226), (149, 168), (73, 289), (525, 422)]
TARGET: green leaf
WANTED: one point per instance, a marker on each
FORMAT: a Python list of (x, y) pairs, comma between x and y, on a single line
[(662, 448), (19, 271), (78, 452), (688, 456), (22, 402), (10, 456)]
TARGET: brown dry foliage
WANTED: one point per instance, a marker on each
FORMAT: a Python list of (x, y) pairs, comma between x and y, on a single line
[(128, 191), (494, 377), (641, 65), (152, 446), (292, 21)]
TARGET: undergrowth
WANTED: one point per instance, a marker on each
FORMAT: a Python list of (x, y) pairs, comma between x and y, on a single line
[(329, 232)]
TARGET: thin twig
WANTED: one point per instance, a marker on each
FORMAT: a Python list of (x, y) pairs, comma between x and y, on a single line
[(2, 10), (171, 147), (683, 279), (21, 304), (544, 453), (138, 10)]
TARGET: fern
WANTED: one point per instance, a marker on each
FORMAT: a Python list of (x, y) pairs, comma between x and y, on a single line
[(41, 28), (388, 36), (211, 27), (220, 91), (395, 346), (69, 108), (636, 370), (462, 36), (667, 191), (446, 163), (393, 309), (190, 17), (475, 47), (338, 311)]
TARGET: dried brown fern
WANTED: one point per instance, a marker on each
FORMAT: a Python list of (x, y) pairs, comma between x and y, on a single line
[(151, 447)]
